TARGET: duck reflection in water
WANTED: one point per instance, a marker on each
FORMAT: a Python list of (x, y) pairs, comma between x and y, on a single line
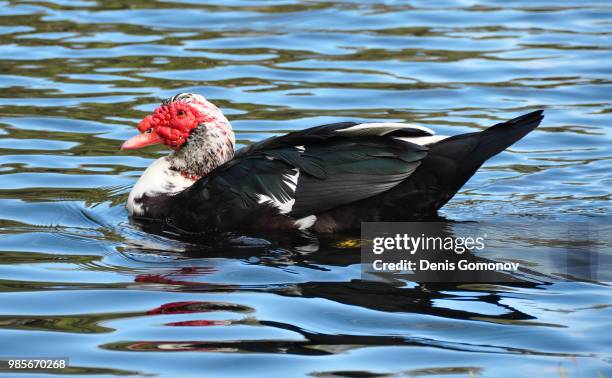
[(390, 293)]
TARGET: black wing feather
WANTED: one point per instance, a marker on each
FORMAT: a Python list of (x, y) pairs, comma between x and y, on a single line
[(334, 170), (357, 168)]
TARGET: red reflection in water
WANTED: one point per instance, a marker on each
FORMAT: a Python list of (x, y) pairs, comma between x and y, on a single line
[(187, 307), (171, 278), (199, 323)]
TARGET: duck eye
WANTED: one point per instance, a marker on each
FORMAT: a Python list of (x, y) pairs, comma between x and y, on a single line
[(181, 114)]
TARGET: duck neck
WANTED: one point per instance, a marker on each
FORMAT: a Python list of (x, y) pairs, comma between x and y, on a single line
[(209, 145)]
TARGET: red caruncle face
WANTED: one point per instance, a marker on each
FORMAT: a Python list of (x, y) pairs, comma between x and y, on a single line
[(172, 122)]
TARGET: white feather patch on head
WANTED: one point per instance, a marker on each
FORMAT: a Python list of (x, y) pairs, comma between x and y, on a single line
[(185, 97), (381, 128)]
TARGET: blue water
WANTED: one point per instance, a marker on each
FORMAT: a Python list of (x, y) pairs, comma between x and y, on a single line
[(78, 280)]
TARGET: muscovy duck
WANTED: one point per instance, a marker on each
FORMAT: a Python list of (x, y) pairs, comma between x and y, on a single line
[(327, 178)]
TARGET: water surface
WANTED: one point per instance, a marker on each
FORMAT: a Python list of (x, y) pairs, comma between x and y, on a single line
[(78, 279)]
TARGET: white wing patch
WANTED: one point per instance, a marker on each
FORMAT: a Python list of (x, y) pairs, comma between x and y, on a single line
[(306, 222), (292, 180), (284, 207), (424, 140), (381, 128)]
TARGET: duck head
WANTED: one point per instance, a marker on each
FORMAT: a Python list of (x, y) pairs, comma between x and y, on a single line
[(196, 130)]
